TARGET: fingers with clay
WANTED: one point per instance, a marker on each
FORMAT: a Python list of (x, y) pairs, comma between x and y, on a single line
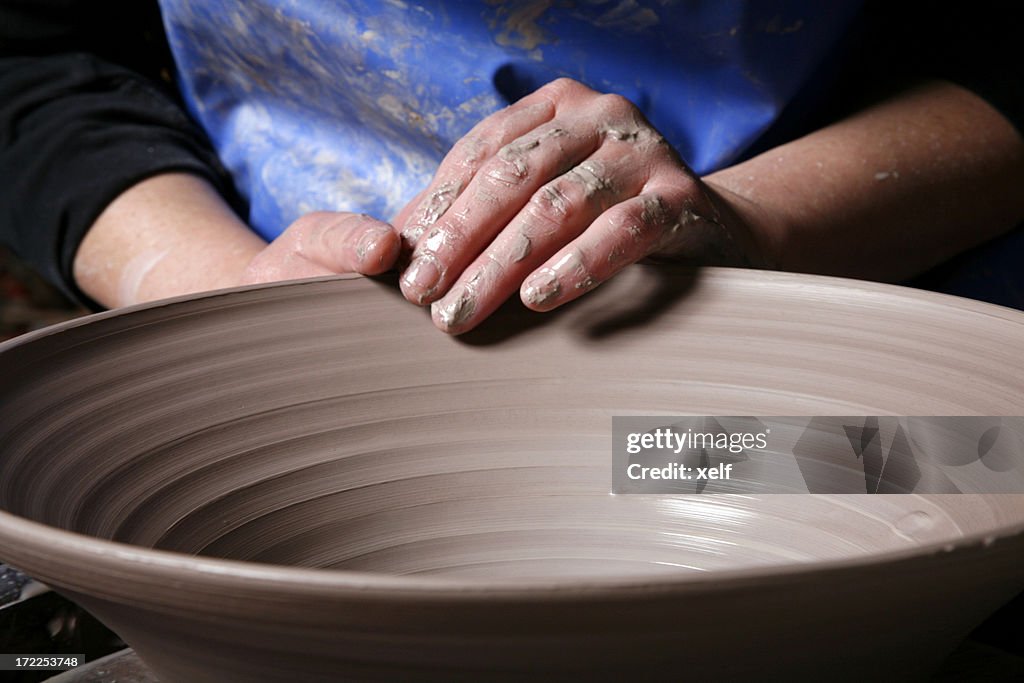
[(655, 221), (326, 243), (549, 197)]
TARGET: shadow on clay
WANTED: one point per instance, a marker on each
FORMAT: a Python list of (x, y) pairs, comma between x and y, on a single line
[(633, 299), (388, 283), (655, 290), (511, 320)]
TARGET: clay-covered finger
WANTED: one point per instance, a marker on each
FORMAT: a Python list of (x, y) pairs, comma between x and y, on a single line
[(501, 188), (461, 164), (346, 242), (622, 235), (556, 214)]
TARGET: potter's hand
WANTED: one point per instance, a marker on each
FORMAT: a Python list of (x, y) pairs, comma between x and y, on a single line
[(325, 243), (172, 234), (552, 196)]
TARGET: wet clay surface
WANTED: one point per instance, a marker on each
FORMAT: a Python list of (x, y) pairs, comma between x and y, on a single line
[(338, 491)]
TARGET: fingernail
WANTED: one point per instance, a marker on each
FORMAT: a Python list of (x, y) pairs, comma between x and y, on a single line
[(541, 288), (367, 243), (423, 276), (455, 309)]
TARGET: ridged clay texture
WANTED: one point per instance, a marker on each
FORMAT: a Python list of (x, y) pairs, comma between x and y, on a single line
[(308, 482)]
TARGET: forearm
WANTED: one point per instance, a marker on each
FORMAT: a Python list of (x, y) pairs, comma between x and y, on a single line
[(888, 192), (87, 110), (171, 234)]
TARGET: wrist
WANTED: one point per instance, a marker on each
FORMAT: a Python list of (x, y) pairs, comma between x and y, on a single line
[(754, 230)]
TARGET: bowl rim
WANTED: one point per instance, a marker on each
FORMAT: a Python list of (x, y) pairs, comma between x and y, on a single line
[(750, 277)]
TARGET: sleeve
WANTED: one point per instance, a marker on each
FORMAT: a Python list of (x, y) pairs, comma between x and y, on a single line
[(86, 111)]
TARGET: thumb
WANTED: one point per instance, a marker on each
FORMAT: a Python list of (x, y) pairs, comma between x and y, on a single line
[(347, 242)]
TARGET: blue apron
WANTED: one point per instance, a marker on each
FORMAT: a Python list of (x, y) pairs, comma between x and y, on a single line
[(350, 105)]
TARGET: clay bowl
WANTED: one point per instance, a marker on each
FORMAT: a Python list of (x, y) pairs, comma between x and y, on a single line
[(308, 482)]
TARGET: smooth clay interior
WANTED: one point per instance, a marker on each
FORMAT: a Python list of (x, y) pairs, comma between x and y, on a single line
[(327, 424)]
